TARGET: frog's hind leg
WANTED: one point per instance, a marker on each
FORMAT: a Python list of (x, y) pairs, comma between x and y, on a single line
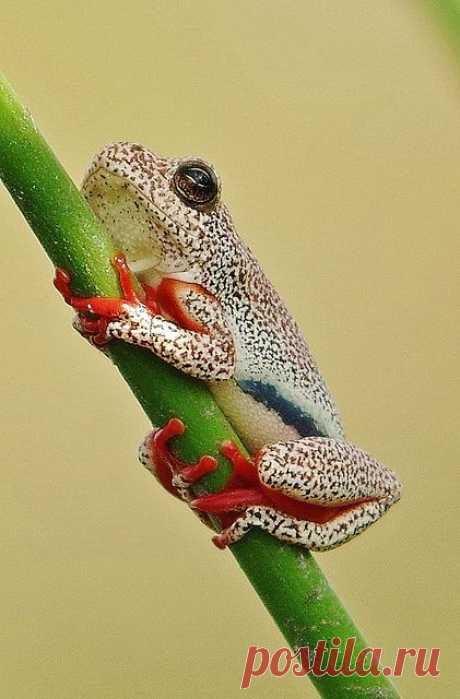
[(311, 535), (318, 492)]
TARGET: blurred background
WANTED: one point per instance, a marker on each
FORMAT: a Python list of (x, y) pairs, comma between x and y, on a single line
[(335, 129)]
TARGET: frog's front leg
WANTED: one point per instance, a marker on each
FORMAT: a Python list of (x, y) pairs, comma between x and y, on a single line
[(316, 492), (204, 349)]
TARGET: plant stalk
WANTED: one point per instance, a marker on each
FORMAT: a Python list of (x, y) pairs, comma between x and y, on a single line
[(287, 578)]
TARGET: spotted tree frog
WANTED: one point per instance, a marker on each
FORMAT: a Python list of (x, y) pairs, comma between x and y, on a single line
[(208, 309)]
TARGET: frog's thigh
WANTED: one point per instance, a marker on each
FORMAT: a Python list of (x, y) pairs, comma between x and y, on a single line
[(313, 536), (324, 471)]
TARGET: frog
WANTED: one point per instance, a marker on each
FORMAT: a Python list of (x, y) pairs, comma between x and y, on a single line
[(195, 295)]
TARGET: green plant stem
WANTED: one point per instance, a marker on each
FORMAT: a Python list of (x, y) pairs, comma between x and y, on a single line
[(287, 579), (448, 14)]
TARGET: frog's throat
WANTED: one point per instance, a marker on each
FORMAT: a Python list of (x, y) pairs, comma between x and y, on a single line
[(134, 226)]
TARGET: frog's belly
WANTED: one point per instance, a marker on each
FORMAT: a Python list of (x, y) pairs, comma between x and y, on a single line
[(257, 424)]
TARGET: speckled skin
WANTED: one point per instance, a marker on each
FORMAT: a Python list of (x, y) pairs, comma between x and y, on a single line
[(323, 472), (241, 340)]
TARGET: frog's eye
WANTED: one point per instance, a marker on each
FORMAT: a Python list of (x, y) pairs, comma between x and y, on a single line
[(196, 184)]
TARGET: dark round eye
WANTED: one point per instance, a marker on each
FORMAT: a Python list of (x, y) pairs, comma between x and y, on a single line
[(196, 184)]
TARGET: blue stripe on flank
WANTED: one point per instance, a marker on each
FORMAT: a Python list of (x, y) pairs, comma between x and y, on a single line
[(290, 413)]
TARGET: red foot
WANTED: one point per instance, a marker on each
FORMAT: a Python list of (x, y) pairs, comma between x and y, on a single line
[(167, 465), (95, 312), (241, 491), (99, 305), (242, 467)]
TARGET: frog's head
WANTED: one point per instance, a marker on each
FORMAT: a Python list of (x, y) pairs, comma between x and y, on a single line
[(165, 214)]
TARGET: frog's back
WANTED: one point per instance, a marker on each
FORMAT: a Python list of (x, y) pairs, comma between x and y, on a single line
[(278, 391)]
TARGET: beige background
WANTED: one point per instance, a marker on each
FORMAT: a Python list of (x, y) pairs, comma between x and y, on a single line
[(335, 129)]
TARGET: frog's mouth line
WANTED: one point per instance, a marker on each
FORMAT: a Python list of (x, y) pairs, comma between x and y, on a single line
[(142, 264)]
